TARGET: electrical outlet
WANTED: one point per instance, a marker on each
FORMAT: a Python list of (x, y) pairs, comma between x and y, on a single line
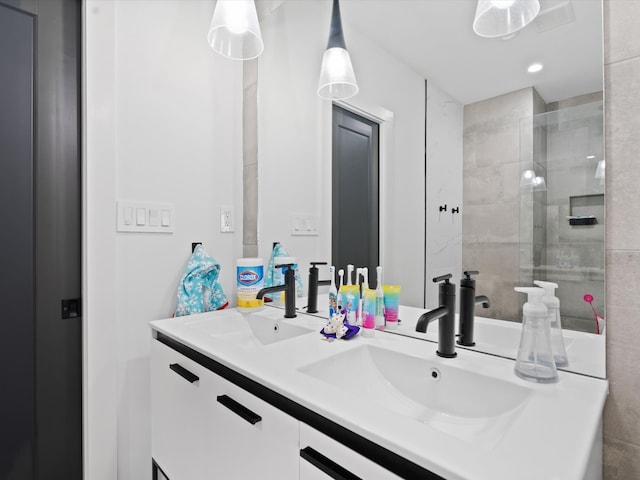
[(226, 219)]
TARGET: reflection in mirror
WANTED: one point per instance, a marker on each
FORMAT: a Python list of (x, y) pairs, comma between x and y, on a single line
[(450, 107), (562, 225)]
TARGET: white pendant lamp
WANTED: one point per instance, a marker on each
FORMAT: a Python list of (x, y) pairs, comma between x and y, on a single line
[(337, 80), (235, 30), (498, 18)]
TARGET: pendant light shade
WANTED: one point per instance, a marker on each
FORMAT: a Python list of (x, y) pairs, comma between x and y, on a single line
[(337, 79), (498, 18), (235, 30)]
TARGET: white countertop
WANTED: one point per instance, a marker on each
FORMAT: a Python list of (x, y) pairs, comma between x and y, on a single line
[(549, 437), (585, 351)]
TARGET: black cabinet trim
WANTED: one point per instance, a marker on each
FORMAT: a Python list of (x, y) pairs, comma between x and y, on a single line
[(328, 466), (239, 409), (382, 456)]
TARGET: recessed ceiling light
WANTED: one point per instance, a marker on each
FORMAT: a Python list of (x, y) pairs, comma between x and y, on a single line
[(591, 156), (534, 67)]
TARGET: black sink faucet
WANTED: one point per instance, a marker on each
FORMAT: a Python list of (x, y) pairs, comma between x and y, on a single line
[(312, 300), (468, 301), (446, 314), (289, 289)]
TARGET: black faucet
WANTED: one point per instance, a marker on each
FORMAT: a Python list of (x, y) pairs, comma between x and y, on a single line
[(312, 301), (468, 301), (446, 314), (289, 289)]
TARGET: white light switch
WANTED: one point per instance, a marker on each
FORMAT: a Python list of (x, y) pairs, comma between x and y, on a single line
[(128, 215), (145, 217), (154, 217), (141, 216), (166, 218)]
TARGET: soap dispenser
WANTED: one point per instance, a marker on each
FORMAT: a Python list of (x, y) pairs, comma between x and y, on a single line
[(535, 361), (553, 306)]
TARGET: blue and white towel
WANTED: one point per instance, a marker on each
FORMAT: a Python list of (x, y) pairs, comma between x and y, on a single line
[(200, 278), (273, 277)]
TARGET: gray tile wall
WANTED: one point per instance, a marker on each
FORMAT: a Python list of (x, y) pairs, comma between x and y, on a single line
[(622, 147), (491, 196)]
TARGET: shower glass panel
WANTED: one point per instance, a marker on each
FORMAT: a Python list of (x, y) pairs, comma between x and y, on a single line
[(562, 209)]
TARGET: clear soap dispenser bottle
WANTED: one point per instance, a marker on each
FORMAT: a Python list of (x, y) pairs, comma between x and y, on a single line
[(535, 361), (553, 307)]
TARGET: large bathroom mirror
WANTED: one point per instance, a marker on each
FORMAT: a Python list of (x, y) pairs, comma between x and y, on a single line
[(463, 125)]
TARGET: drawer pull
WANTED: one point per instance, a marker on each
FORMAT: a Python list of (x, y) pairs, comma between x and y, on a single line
[(184, 373), (239, 409), (328, 466)]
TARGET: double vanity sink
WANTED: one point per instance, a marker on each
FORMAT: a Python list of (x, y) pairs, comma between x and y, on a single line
[(467, 417)]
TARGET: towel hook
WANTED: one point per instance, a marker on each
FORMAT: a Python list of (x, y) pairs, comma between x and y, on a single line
[(443, 208)]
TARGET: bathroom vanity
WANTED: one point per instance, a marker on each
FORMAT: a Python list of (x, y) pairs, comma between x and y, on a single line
[(256, 395)]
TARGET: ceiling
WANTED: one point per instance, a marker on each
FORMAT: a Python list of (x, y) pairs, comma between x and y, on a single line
[(436, 39)]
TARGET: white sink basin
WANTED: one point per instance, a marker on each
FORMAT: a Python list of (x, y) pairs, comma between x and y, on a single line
[(462, 403), (249, 330)]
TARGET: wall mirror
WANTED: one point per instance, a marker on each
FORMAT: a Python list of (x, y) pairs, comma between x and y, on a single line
[(461, 122)]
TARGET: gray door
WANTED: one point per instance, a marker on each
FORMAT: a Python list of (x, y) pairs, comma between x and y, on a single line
[(40, 253), (355, 185)]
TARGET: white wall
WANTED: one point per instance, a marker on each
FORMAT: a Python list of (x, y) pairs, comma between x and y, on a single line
[(444, 187), (163, 124), (294, 154)]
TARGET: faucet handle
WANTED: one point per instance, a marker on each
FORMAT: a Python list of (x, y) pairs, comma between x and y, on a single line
[(443, 277), (314, 264), (285, 265), (468, 273)]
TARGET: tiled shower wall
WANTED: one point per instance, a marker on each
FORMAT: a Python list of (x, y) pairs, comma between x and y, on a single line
[(622, 149), (491, 198)]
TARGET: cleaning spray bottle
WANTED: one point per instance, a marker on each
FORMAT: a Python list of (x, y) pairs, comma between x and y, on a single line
[(333, 293), (535, 361), (379, 301), (553, 307)]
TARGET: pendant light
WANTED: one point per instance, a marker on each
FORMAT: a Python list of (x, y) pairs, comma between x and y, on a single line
[(337, 80), (498, 18), (235, 30)]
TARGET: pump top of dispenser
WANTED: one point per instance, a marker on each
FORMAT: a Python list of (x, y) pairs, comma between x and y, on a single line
[(549, 297), (534, 306)]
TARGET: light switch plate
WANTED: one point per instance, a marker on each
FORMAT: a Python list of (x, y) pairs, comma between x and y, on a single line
[(145, 217), (304, 224)]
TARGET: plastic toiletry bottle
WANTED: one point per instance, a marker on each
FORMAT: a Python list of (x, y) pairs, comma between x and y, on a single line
[(368, 312), (535, 361), (333, 293), (249, 281), (379, 317), (553, 307)]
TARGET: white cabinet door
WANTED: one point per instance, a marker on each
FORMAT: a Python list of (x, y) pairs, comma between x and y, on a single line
[(322, 458), (253, 439), (179, 426)]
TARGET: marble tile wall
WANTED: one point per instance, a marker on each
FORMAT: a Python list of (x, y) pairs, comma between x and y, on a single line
[(622, 147)]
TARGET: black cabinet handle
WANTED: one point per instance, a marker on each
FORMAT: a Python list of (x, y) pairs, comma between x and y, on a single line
[(328, 466), (239, 409), (184, 373)]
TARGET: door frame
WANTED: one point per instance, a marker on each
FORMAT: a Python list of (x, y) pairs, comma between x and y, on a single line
[(385, 119)]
